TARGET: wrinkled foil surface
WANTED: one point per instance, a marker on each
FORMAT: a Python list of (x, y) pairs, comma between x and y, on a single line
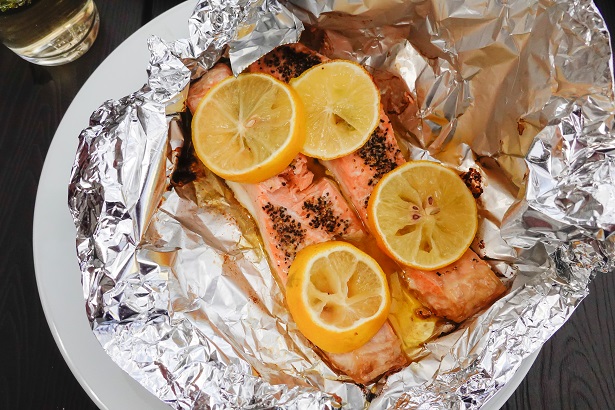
[(177, 288)]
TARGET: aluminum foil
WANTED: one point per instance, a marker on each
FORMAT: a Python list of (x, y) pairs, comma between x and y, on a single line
[(249, 28), (177, 287)]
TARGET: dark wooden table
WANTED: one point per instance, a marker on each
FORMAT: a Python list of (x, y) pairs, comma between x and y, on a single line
[(575, 370)]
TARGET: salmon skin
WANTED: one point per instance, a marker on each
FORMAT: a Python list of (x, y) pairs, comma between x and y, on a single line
[(358, 172), (458, 290), (293, 210)]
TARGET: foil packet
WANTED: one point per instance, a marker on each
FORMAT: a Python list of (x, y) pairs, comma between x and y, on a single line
[(178, 290)]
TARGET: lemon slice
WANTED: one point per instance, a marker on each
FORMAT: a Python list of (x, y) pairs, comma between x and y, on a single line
[(413, 322), (423, 215), (249, 128), (342, 106), (337, 295)]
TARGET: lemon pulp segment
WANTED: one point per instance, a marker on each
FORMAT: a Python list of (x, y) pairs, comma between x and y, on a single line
[(413, 322)]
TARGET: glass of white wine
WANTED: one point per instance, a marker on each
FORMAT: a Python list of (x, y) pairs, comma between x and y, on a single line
[(48, 32)]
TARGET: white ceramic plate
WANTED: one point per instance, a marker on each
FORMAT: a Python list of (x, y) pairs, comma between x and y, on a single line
[(55, 259)]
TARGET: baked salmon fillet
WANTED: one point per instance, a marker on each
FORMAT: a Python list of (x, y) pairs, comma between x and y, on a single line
[(293, 210), (359, 172), (199, 88), (458, 290), (380, 355), (287, 62)]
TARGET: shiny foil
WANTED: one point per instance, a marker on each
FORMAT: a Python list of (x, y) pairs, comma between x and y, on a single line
[(177, 288)]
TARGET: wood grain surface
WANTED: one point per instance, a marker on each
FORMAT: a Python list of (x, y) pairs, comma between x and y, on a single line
[(575, 369)]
